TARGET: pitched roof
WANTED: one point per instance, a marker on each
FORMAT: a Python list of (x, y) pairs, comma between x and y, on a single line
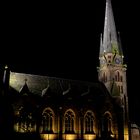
[(39, 85)]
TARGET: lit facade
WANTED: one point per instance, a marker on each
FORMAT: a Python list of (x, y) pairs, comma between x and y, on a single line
[(55, 108), (58, 108)]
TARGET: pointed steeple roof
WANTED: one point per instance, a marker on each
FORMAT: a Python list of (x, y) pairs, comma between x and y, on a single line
[(24, 89), (110, 41)]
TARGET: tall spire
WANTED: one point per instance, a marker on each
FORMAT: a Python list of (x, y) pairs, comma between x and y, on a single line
[(110, 42)]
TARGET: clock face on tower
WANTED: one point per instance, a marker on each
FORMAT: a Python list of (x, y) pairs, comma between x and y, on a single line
[(117, 60), (102, 61)]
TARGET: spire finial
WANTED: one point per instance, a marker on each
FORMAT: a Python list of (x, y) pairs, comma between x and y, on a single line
[(109, 35)]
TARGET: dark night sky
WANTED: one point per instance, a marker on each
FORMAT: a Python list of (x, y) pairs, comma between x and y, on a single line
[(62, 40)]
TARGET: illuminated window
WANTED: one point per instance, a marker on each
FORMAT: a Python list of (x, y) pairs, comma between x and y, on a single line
[(89, 122), (29, 122), (24, 120), (47, 120), (69, 122)]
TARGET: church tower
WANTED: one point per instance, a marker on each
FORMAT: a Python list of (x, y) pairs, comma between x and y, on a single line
[(112, 70)]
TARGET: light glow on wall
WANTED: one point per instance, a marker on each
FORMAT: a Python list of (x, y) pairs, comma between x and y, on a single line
[(69, 136), (23, 128), (126, 136), (48, 136), (89, 136)]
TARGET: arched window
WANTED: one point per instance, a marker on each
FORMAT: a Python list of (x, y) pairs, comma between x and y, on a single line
[(107, 121), (89, 122), (118, 78), (47, 120), (69, 119), (24, 120), (104, 77), (118, 75)]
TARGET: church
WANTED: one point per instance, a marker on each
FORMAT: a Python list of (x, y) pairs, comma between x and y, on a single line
[(50, 108)]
